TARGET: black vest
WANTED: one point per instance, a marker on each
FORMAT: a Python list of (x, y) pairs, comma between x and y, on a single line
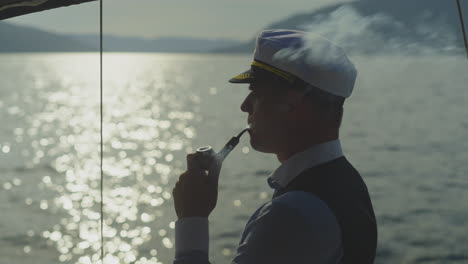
[(340, 186)]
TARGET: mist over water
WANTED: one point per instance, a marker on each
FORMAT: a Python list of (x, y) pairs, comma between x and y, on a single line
[(404, 129), (382, 34)]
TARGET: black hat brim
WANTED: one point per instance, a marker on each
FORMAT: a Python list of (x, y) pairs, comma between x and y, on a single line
[(245, 77)]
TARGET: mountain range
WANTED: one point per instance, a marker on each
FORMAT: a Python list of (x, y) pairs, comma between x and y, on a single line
[(16, 38), (370, 26), (367, 26)]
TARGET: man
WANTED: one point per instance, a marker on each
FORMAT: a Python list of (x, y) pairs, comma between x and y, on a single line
[(321, 211)]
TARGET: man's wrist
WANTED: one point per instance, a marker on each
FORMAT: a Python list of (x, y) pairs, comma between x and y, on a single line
[(191, 234)]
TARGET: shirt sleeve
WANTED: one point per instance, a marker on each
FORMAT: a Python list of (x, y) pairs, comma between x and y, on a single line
[(282, 234), (191, 240)]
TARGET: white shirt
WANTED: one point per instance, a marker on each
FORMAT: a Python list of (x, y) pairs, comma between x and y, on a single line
[(304, 221), (309, 158)]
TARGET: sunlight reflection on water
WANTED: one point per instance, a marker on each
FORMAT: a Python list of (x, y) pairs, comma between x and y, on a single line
[(158, 107), (141, 139)]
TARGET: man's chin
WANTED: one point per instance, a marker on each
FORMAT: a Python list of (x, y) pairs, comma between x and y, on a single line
[(253, 142), (258, 146)]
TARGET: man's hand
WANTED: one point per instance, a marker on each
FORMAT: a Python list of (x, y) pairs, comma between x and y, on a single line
[(196, 192)]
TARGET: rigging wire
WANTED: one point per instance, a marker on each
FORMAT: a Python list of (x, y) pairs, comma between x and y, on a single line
[(460, 13), (100, 133)]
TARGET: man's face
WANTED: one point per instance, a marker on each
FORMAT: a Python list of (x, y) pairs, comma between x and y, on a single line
[(266, 117)]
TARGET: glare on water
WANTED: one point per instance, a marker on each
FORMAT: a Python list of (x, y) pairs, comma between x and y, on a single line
[(145, 126), (404, 122)]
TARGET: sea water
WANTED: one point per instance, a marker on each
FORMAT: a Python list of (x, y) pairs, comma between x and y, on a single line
[(405, 129)]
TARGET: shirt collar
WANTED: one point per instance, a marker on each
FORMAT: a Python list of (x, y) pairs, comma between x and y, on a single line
[(301, 161)]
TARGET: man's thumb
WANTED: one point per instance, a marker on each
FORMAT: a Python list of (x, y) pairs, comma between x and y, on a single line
[(214, 170)]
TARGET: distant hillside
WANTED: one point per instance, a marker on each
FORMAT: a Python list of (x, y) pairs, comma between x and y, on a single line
[(15, 38), (370, 26), (163, 44)]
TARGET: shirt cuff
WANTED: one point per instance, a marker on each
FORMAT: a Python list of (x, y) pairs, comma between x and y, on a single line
[(191, 233)]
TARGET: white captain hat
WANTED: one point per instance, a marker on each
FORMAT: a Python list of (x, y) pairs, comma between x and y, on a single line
[(301, 56)]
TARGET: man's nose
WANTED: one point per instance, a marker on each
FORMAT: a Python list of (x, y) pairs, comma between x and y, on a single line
[(245, 106)]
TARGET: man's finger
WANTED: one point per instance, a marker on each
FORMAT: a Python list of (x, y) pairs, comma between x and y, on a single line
[(193, 164), (184, 176)]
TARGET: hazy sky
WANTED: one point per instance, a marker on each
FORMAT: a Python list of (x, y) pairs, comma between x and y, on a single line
[(236, 19)]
